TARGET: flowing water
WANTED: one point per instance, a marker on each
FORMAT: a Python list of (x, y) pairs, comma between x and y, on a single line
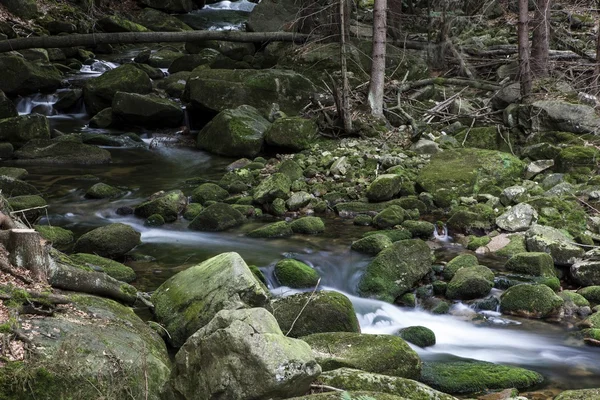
[(143, 170)]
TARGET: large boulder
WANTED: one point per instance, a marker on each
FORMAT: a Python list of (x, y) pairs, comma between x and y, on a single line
[(93, 346), (110, 267), (382, 354), (20, 129), (470, 376), (296, 274), (111, 241), (172, 6), (209, 192), (457, 263), (517, 218), (308, 225), (533, 263), (7, 107), (586, 272), (146, 110), (159, 21), (292, 133), (418, 335), (350, 379), (396, 270), (217, 217), (98, 93), (554, 242), (463, 172), (557, 115), (221, 89), (234, 132), (32, 206), (384, 187), (531, 301), (15, 187), (114, 24), (326, 312), (22, 77), (168, 205), (275, 186), (53, 151), (189, 300), (242, 354), (470, 283)]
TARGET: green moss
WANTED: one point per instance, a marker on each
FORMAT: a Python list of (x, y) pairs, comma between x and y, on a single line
[(534, 301), (458, 262), (515, 246), (168, 205), (372, 244), (102, 191), (358, 207), (209, 192), (394, 235), (472, 376), (293, 133), (258, 274), (475, 242), (217, 217), (192, 210), (577, 156), (112, 268), (418, 335), (274, 230), (573, 297), (389, 217), (534, 263), (488, 137), (308, 225), (470, 283), (295, 274), (59, 237), (591, 293), (419, 229), (560, 213), (154, 220), (112, 240)]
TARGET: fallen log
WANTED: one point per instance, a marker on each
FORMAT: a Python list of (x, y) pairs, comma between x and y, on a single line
[(93, 39)]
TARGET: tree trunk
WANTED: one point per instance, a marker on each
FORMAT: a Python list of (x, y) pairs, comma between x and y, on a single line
[(26, 251), (344, 108), (541, 33), (596, 82), (376, 84), (94, 39), (523, 34)]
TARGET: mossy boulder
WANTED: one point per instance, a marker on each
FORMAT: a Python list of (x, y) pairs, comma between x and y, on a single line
[(154, 220), (217, 217), (236, 132), (573, 157), (574, 297), (109, 267), (350, 380), (114, 24), (470, 283), (170, 6), (554, 242), (471, 376), (111, 241), (394, 235), (384, 187), (29, 203), (586, 272), (59, 237), (22, 77), (146, 110), (275, 186), (419, 229), (382, 354), (159, 21), (102, 191), (98, 93), (531, 301), (558, 115), (168, 205), (20, 129), (291, 169), (189, 62), (418, 335), (396, 270), (308, 225), (372, 244), (471, 220), (55, 151), (209, 192), (458, 262), (464, 172), (298, 200), (7, 107), (292, 133), (274, 230), (389, 217), (15, 173), (190, 299), (220, 89), (591, 293), (12, 187), (534, 264), (93, 346), (580, 394), (295, 274), (326, 312), (192, 210), (354, 394)]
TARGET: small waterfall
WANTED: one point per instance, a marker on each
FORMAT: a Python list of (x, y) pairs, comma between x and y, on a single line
[(440, 233), (98, 67), (242, 5), (37, 103)]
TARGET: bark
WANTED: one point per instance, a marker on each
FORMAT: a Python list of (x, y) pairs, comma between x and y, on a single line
[(597, 68), (376, 84), (523, 37), (26, 251), (344, 107), (483, 85), (90, 40), (541, 32)]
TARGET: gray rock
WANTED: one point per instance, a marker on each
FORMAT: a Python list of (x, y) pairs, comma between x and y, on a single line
[(20, 129), (507, 95), (555, 115), (146, 110), (298, 200), (424, 146), (586, 272), (113, 240), (384, 187), (513, 195), (339, 166), (554, 242), (535, 167), (517, 218), (563, 188)]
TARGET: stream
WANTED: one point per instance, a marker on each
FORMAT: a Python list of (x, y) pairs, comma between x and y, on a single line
[(164, 251)]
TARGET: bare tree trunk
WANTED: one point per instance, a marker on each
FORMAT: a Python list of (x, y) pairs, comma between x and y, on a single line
[(539, 45), (47, 42), (596, 81), (523, 33), (376, 84), (344, 110), (26, 250)]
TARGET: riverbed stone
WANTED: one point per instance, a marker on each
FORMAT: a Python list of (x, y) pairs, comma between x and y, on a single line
[(274, 230), (586, 272), (580, 394), (531, 301), (470, 376), (22, 77), (419, 229), (574, 157), (372, 244), (275, 186), (382, 354), (327, 311), (98, 93), (591, 293), (114, 24), (462, 172), (20, 129), (171, 6), (190, 299), (298, 200), (102, 191), (110, 267), (458, 262), (396, 270), (94, 345), (295, 274), (418, 335), (242, 354), (189, 62), (220, 89), (470, 283), (168, 205), (111, 241), (57, 151), (308, 225), (146, 110), (532, 263), (159, 21), (552, 241), (389, 217), (209, 192), (351, 380), (560, 116), (292, 133), (234, 132), (384, 187), (11, 187), (7, 107), (59, 237), (217, 217), (517, 218), (30, 203)]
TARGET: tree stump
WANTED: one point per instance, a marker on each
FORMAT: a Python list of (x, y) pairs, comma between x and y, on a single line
[(26, 251)]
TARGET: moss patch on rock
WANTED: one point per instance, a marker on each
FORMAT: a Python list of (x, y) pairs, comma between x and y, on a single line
[(295, 274)]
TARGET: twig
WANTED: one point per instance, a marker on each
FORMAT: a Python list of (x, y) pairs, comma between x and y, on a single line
[(326, 388), (468, 131), (305, 304)]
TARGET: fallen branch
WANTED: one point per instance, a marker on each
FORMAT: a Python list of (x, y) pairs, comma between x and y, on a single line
[(325, 388), (305, 304), (483, 85)]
